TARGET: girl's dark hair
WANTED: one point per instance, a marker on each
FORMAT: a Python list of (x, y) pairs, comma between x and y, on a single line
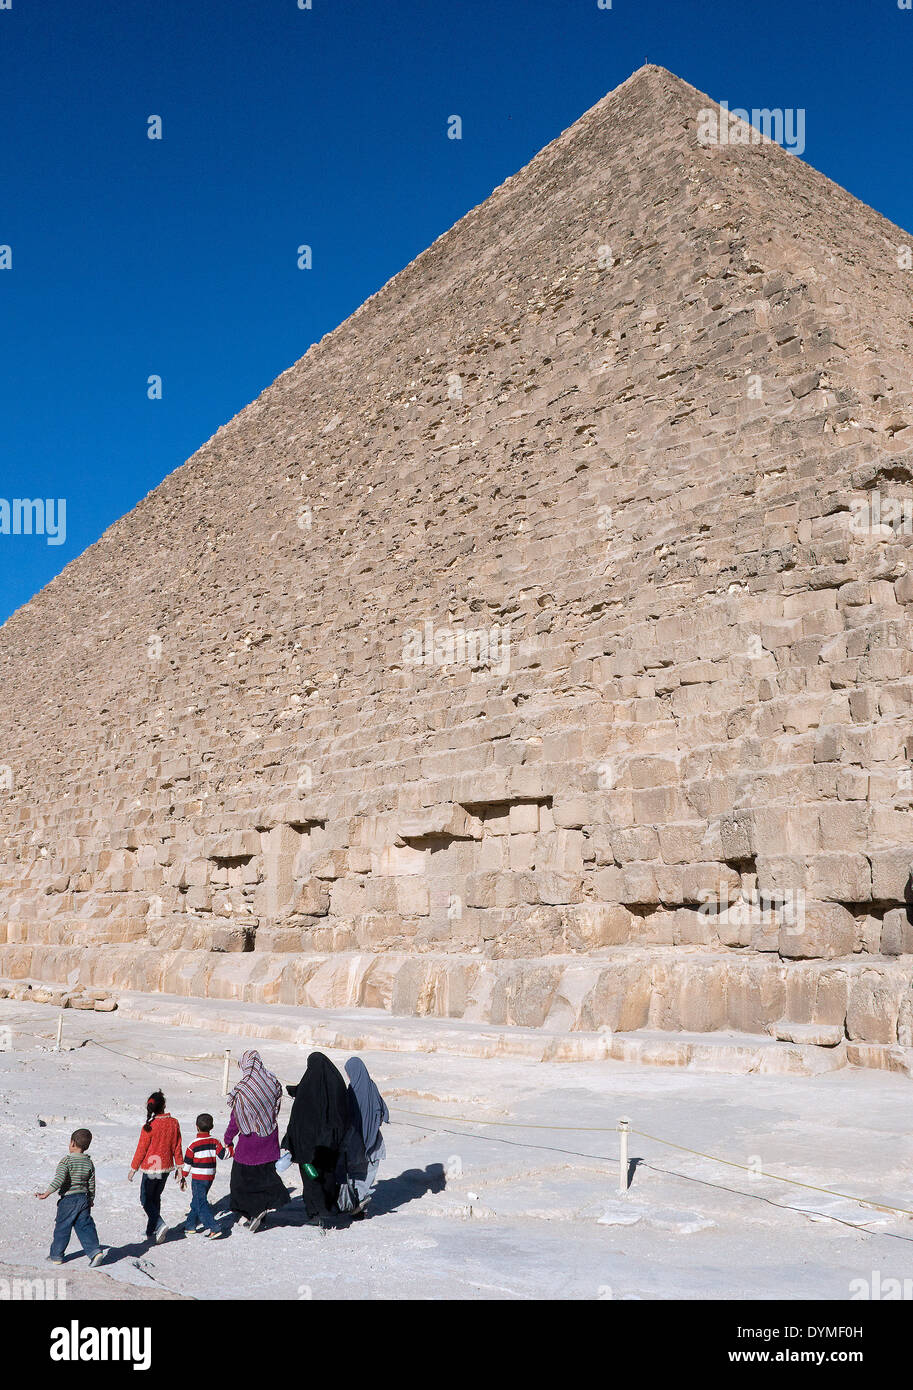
[(155, 1105)]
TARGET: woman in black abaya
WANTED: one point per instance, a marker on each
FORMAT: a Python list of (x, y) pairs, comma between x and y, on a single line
[(316, 1129)]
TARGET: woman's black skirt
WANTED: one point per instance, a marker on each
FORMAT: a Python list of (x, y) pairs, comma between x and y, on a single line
[(319, 1194), (256, 1187)]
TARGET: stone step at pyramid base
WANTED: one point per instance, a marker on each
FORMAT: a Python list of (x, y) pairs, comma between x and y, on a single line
[(797, 1049), (857, 1005)]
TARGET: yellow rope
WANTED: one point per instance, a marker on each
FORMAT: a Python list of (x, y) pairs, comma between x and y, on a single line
[(518, 1124), (698, 1153), (774, 1177), (156, 1066)]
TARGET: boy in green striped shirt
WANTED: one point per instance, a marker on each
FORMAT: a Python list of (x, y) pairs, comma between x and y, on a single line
[(75, 1181)]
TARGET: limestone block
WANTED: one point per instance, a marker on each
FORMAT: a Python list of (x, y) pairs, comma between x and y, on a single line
[(348, 898), (839, 877), (873, 1008), (280, 842), (491, 855), (522, 853), (412, 898), (817, 1034), (527, 781), (233, 844), (817, 930), (571, 813), (636, 842), (755, 994), (523, 819), (609, 884), (311, 897), (691, 927), (678, 844), (591, 926), (448, 821), (868, 933), (638, 884), (195, 874), (903, 588), (523, 996), (561, 850), (327, 864), (736, 835), (703, 882), (559, 888), (501, 890), (689, 998), (897, 932), (396, 860), (891, 870)]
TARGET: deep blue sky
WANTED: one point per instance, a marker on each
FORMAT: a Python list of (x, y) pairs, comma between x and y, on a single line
[(325, 126)]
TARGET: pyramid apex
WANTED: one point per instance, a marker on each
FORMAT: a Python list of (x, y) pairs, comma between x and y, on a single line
[(655, 75)]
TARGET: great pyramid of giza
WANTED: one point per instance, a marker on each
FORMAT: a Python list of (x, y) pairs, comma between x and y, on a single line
[(536, 650)]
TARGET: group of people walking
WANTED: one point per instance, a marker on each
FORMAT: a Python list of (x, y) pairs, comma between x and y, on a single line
[(334, 1136)]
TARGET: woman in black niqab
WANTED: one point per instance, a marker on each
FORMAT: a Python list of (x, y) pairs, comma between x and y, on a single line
[(316, 1129)]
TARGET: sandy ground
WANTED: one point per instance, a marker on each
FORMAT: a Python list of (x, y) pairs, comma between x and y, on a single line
[(466, 1210)]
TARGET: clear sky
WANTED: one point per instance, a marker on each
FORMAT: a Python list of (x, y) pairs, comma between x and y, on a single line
[(326, 126)]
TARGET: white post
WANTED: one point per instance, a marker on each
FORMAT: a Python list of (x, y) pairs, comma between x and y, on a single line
[(623, 1157), (59, 1030), (225, 1065)]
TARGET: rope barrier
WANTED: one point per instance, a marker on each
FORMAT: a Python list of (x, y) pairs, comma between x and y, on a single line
[(581, 1129), (775, 1177), (130, 1058), (518, 1124), (682, 1148)]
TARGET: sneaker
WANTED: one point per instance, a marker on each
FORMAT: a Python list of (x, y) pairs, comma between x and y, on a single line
[(98, 1257), (258, 1221), (161, 1232), (214, 1235), (192, 1230), (55, 1260)]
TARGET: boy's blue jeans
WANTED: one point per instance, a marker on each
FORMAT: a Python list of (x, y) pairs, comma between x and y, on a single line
[(74, 1213), (200, 1211)]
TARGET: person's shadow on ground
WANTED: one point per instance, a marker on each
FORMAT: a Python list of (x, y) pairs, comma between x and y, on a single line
[(135, 1250), (389, 1196), (392, 1193)]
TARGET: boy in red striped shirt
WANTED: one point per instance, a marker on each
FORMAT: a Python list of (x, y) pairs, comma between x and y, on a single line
[(200, 1163)]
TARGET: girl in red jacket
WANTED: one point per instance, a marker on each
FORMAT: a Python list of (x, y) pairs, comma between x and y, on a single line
[(158, 1153)]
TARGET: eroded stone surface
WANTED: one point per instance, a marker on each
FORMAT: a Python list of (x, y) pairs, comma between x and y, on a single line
[(519, 654)]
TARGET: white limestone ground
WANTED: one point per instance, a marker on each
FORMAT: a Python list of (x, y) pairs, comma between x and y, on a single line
[(544, 1220)]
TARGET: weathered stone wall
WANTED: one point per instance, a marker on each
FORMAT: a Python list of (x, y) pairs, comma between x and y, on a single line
[(635, 407)]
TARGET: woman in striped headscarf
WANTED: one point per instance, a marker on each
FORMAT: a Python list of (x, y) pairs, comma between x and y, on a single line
[(253, 1138)]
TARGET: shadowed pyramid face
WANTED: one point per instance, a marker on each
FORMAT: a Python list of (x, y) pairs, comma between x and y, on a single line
[(536, 649)]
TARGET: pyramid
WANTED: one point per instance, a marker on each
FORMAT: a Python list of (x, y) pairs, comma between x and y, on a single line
[(537, 650)]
